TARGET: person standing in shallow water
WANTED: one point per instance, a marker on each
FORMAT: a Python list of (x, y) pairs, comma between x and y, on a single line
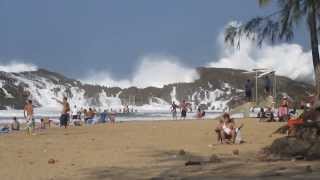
[(184, 109), (173, 109), (64, 118)]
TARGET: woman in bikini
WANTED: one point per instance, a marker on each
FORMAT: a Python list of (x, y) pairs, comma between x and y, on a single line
[(226, 131)]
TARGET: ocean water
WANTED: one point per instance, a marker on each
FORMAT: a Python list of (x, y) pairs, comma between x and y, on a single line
[(6, 116)]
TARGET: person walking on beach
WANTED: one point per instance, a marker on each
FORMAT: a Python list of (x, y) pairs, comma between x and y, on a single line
[(75, 113), (64, 118), (184, 109), (267, 86), (28, 114), (173, 109), (248, 90)]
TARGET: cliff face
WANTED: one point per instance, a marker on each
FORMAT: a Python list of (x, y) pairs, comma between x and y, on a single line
[(216, 89)]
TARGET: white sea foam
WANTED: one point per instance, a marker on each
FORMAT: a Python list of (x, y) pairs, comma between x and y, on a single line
[(153, 70), (16, 67), (288, 60)]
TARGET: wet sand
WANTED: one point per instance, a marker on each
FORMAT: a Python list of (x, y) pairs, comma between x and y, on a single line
[(144, 150)]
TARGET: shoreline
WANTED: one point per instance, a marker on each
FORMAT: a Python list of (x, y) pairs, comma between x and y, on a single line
[(129, 118)]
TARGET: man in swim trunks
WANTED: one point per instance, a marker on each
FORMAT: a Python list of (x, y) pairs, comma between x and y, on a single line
[(28, 114), (184, 109), (64, 118)]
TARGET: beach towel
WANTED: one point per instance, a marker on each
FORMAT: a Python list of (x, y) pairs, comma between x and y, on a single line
[(4, 130), (295, 122)]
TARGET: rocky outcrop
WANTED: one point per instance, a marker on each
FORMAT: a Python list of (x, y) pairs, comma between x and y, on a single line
[(215, 89)]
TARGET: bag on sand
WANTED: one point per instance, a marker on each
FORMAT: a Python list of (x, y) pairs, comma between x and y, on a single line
[(238, 137)]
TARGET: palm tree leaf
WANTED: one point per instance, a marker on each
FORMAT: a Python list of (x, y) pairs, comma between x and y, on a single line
[(277, 26), (264, 2)]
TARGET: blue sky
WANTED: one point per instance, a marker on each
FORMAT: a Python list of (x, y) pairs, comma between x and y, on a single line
[(76, 36)]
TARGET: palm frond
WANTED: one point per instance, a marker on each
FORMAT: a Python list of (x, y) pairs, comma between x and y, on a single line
[(274, 27), (264, 2)]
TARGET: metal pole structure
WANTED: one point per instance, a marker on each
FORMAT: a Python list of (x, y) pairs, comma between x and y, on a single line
[(256, 88), (274, 85), (275, 88), (134, 100)]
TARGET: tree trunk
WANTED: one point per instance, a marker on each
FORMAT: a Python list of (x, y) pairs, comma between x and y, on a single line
[(312, 22)]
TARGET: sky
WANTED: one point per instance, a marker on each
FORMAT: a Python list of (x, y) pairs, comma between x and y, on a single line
[(114, 37)]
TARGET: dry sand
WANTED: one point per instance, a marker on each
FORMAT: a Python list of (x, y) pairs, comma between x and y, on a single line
[(143, 150)]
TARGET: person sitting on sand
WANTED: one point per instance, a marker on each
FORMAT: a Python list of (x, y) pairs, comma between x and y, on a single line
[(15, 126), (266, 116), (44, 122), (226, 130), (261, 113)]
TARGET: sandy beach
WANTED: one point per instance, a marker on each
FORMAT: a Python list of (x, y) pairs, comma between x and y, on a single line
[(143, 150)]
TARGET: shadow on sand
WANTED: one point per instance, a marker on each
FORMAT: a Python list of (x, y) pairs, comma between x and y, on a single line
[(171, 166)]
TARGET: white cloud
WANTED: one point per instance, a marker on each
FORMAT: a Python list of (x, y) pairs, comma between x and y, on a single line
[(154, 70), (17, 67)]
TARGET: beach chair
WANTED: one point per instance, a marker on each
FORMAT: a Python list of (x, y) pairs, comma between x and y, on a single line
[(238, 137)]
